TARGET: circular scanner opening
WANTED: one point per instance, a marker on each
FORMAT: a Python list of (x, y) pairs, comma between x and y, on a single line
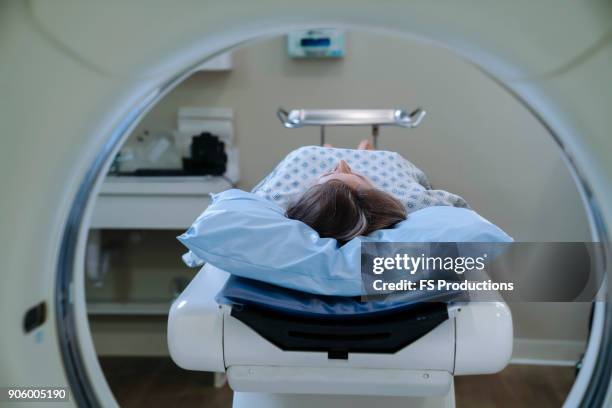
[(478, 141)]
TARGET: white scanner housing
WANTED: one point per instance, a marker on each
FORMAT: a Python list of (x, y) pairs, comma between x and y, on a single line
[(475, 339)]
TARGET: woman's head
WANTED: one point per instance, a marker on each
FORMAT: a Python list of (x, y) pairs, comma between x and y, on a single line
[(343, 205)]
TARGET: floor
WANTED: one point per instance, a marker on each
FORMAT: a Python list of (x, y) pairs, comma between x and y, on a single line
[(516, 386), (157, 382)]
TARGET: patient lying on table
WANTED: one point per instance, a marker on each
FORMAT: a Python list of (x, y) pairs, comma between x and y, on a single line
[(343, 193)]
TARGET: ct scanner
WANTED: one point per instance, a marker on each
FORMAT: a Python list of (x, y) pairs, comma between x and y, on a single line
[(76, 77)]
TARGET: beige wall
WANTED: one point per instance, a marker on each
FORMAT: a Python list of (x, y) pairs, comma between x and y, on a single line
[(477, 141)]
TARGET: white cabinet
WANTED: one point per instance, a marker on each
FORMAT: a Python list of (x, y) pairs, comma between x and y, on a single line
[(129, 305), (154, 202)]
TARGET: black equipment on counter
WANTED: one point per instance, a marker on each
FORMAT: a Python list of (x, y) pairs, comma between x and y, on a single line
[(208, 156)]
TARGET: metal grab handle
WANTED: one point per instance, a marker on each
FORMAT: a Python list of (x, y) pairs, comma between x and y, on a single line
[(350, 117), (415, 118), (283, 116)]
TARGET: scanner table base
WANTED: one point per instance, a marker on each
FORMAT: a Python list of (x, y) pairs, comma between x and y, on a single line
[(268, 366)]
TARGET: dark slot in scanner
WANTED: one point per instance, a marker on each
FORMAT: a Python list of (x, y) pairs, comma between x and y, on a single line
[(370, 334)]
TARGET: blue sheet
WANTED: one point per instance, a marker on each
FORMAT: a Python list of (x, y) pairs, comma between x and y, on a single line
[(243, 291)]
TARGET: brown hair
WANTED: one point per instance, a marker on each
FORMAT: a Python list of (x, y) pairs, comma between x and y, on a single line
[(335, 210)]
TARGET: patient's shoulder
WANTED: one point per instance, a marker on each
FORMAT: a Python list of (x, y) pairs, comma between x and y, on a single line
[(309, 148)]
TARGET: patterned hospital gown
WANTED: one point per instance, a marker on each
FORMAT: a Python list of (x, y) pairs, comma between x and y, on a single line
[(388, 171)]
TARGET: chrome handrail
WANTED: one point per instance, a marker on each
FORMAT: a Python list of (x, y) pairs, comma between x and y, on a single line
[(295, 118)]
